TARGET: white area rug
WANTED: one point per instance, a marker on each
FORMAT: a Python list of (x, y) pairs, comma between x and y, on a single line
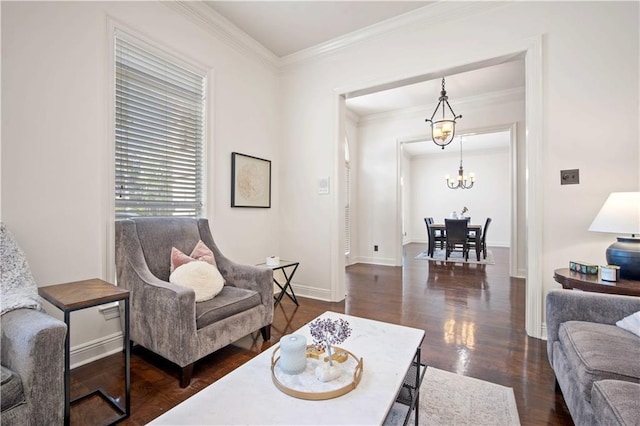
[(456, 256), (452, 399)]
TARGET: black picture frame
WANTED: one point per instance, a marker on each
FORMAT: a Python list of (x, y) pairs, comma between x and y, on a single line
[(250, 181)]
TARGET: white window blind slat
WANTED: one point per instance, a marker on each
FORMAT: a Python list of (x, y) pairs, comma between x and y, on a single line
[(160, 110)]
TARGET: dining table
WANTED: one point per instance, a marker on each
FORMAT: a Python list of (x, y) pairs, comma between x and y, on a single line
[(441, 227), (475, 232)]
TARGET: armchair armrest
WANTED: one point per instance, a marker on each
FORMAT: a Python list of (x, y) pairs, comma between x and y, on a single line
[(571, 305), (248, 277), (33, 347)]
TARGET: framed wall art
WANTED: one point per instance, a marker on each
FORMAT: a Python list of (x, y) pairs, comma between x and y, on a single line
[(250, 181)]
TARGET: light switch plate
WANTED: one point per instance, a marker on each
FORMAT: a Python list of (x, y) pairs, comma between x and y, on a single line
[(569, 177), (323, 185)]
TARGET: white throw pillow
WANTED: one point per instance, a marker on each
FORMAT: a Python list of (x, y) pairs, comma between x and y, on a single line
[(631, 323), (202, 277)]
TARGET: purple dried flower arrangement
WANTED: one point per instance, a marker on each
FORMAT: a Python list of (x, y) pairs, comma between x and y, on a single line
[(327, 332)]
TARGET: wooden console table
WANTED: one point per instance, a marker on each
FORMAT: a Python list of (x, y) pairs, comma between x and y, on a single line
[(586, 282)]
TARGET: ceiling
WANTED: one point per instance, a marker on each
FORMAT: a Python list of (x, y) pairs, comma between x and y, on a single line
[(289, 27), (470, 142), (463, 86), (286, 27)]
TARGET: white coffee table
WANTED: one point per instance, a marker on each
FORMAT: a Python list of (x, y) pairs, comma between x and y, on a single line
[(247, 395)]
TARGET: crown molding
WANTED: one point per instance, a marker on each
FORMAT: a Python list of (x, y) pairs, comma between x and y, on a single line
[(213, 22), (486, 99), (436, 13), (219, 26)]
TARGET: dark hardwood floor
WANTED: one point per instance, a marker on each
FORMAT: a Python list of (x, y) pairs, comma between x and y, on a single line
[(473, 317)]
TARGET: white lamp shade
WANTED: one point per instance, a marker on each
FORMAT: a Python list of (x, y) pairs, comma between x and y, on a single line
[(620, 214), (442, 131)]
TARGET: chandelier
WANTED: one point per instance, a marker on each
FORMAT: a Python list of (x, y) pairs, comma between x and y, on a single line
[(443, 131), (462, 181)]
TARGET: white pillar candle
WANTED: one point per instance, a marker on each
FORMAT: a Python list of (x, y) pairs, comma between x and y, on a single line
[(293, 353)]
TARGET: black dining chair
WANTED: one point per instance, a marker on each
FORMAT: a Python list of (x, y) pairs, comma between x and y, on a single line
[(479, 242), (434, 237), (456, 236), (483, 240), (438, 233)]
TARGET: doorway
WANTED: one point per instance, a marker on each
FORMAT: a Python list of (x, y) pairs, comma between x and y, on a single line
[(492, 155), (530, 52)]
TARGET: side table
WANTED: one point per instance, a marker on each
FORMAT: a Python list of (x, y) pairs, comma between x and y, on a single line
[(587, 282), (283, 265), (78, 295)]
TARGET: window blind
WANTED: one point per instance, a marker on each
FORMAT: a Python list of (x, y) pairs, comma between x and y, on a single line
[(159, 119)]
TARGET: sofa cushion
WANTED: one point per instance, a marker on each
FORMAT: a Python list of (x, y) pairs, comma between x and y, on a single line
[(631, 323), (599, 352), (230, 301), (11, 394), (616, 402)]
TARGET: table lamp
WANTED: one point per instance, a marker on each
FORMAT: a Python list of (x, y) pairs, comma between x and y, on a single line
[(620, 214)]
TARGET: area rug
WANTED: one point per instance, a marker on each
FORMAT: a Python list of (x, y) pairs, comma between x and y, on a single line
[(452, 399), (456, 256)]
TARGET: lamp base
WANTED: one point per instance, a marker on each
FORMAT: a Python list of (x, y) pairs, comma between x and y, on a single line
[(625, 253)]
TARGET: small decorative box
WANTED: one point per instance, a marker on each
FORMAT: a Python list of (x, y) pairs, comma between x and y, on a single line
[(583, 268), (273, 261), (609, 273)]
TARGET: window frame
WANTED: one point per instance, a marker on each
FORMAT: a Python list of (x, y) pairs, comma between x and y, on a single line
[(162, 158), (117, 29)]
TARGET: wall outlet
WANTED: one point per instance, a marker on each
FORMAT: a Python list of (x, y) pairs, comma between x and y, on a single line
[(375, 248)]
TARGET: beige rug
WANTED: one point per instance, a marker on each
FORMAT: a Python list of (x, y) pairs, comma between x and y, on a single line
[(452, 399), (456, 257)]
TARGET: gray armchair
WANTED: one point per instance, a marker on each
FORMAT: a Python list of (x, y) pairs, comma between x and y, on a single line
[(165, 317), (32, 357)]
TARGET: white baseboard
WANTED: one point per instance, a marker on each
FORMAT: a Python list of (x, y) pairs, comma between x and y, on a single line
[(375, 261), (311, 292), (99, 348)]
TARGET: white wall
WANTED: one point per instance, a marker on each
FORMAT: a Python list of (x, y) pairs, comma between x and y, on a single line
[(489, 197), (55, 151), (582, 89)]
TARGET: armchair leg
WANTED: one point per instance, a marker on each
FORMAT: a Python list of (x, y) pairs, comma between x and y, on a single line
[(185, 375), (266, 332)]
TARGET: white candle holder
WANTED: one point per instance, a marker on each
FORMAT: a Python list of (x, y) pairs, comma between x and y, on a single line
[(293, 354)]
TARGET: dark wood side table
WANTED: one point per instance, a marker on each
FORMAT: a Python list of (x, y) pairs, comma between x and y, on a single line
[(78, 295), (586, 282)]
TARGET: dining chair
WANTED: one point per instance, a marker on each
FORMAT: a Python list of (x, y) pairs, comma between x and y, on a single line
[(456, 235), (434, 236), (483, 240), (438, 233), (479, 242)]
